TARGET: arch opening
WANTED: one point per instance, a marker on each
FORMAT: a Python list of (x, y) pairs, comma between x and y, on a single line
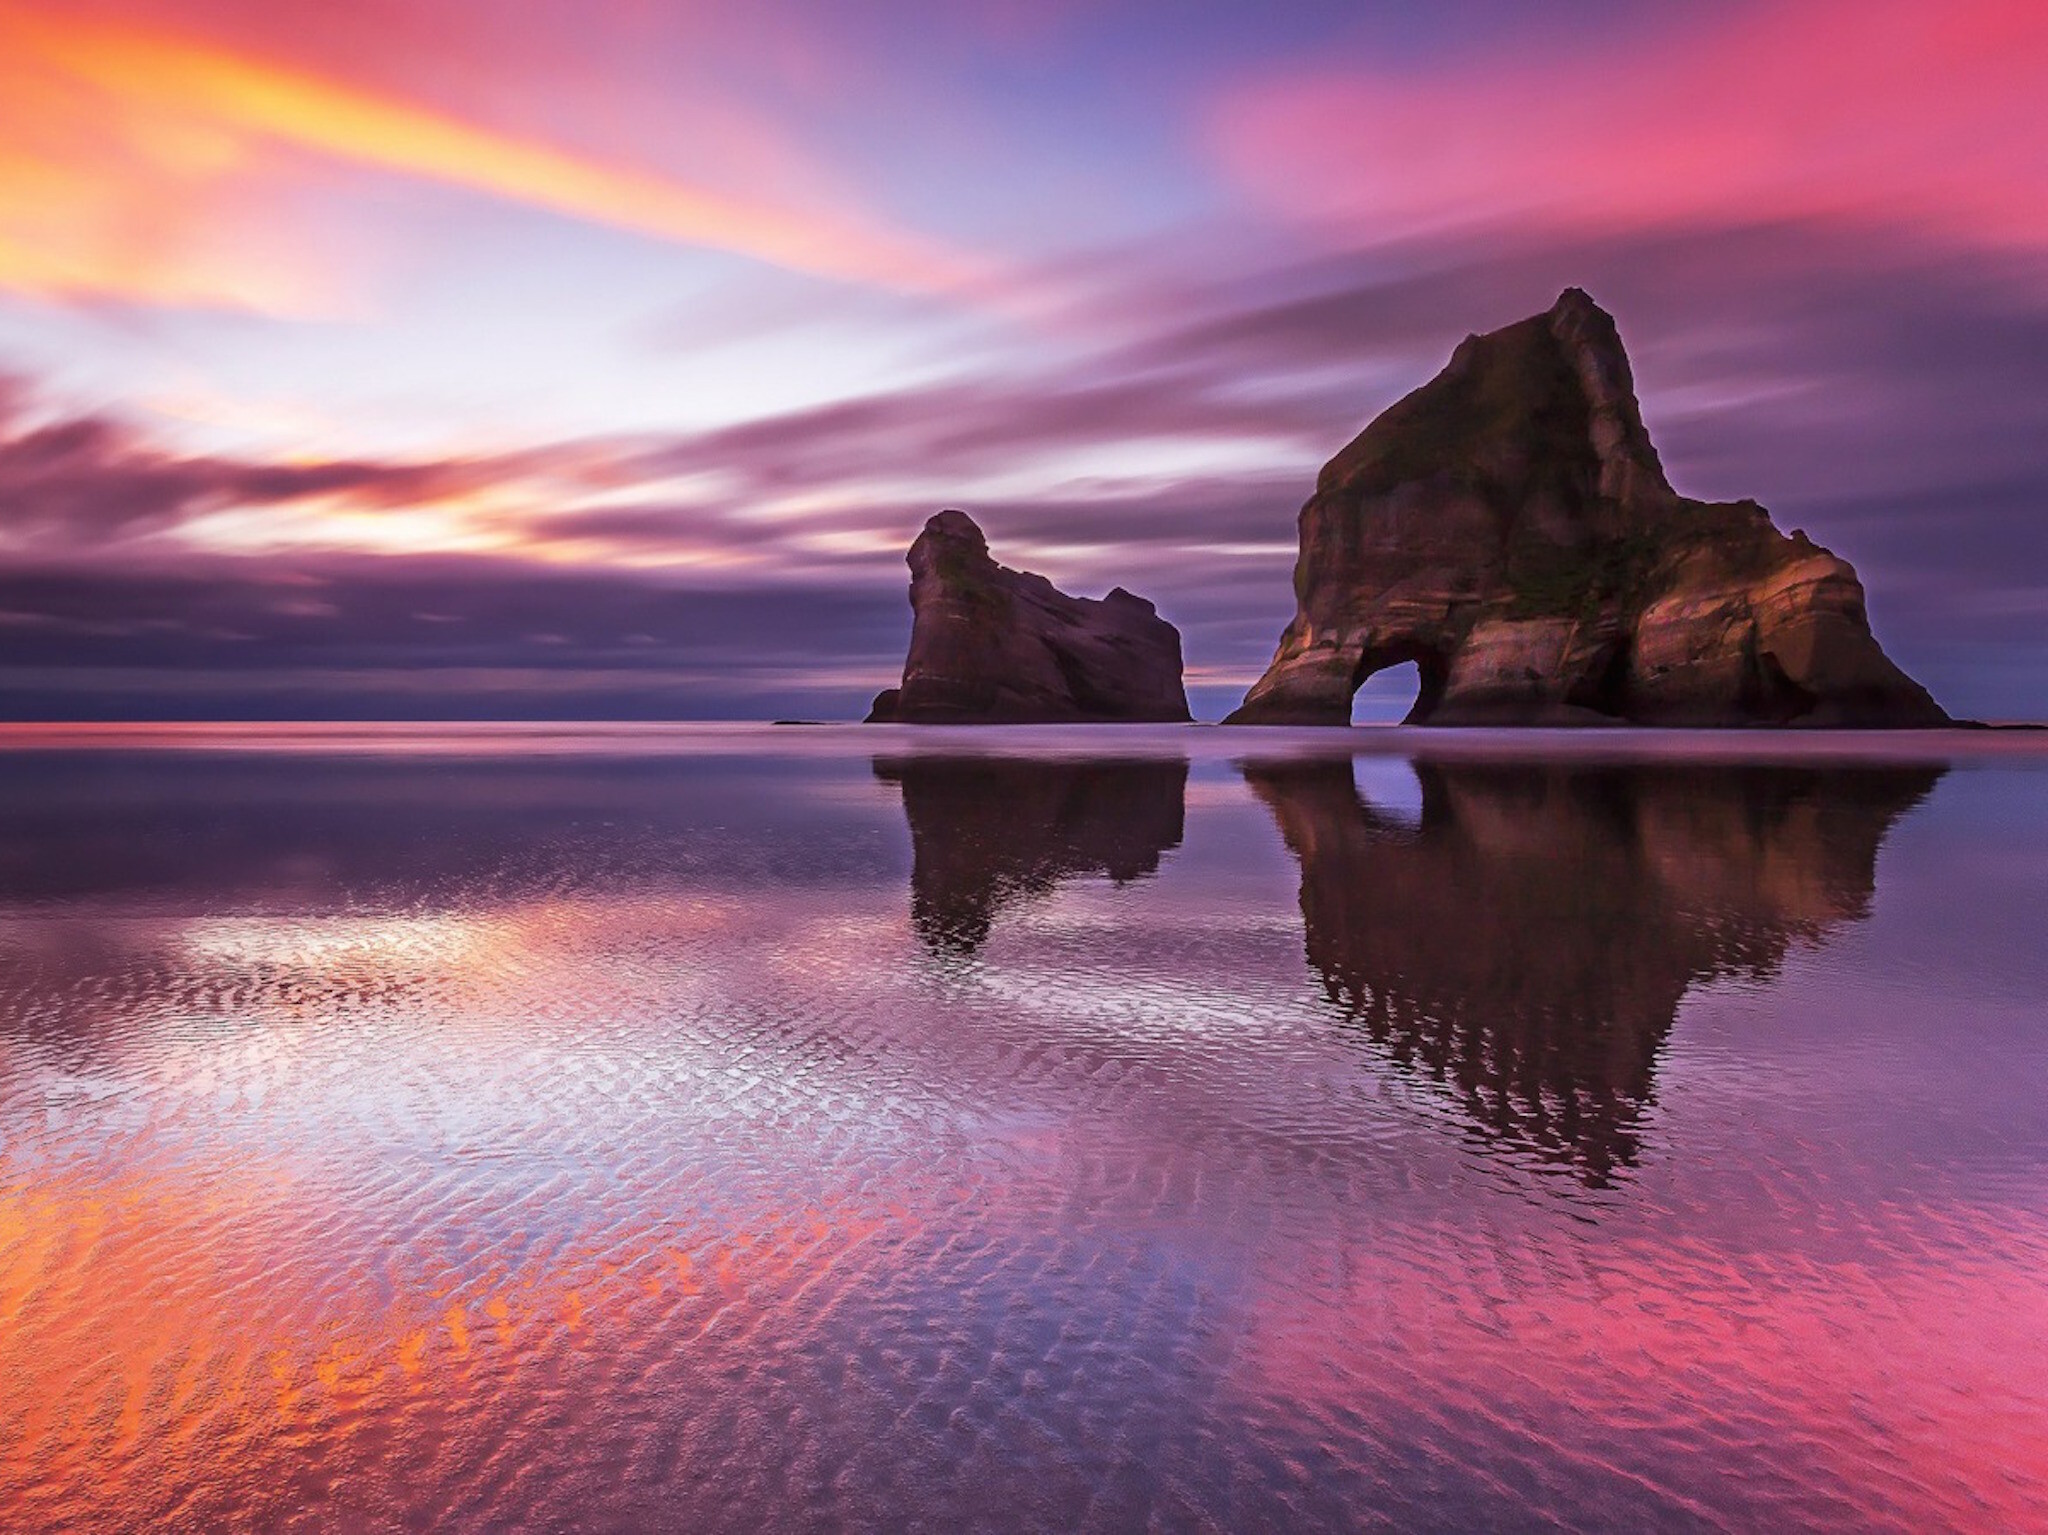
[(1396, 686), (1388, 696)]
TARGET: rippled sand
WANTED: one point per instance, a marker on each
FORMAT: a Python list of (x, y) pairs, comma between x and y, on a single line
[(758, 1130)]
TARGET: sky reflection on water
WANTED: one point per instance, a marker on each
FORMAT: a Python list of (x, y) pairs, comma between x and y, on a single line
[(826, 1135)]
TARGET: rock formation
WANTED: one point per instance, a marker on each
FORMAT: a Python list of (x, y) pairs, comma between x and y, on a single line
[(1508, 528), (994, 646), (987, 833), (1528, 943)]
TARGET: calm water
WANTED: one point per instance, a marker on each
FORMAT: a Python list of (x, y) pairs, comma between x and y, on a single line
[(845, 1129)]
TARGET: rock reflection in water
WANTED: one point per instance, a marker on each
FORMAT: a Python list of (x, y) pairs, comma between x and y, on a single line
[(1528, 942), (987, 833)]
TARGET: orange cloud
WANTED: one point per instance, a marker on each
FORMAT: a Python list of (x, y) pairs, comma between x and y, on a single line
[(1887, 108), (140, 163)]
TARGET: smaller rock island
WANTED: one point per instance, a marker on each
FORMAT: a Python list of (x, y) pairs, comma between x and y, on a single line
[(995, 646)]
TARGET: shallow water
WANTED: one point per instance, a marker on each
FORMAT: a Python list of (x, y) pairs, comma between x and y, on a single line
[(838, 1129)]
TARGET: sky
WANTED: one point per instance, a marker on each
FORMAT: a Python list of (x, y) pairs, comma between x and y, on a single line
[(600, 358)]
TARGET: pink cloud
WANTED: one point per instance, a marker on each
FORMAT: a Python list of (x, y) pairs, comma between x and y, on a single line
[(1891, 108)]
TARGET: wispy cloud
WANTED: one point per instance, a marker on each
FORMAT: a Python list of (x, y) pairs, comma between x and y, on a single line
[(1923, 114), (142, 162), (841, 484), (87, 482), (334, 636)]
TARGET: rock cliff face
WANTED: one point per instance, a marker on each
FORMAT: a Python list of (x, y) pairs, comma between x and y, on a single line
[(994, 646), (1508, 528)]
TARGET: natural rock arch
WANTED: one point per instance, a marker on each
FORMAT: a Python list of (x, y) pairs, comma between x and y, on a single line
[(1509, 527)]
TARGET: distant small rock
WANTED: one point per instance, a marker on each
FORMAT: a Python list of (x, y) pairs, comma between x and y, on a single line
[(1509, 529), (990, 645)]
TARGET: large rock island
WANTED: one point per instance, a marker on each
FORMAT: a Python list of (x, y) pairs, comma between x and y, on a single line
[(995, 646), (1508, 528)]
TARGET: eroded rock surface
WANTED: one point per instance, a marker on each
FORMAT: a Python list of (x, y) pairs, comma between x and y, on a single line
[(1508, 527), (990, 645)]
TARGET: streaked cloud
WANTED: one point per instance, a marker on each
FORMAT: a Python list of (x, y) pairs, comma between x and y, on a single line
[(328, 637), (816, 487), (141, 162), (77, 482), (1881, 109)]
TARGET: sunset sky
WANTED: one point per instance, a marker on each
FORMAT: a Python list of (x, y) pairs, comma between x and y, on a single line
[(528, 358)]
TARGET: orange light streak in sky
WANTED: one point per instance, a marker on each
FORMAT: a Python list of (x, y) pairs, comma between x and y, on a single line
[(121, 141)]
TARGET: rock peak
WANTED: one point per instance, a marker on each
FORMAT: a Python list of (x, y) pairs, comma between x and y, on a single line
[(1583, 330), (1551, 396), (955, 524), (1509, 528), (1577, 301)]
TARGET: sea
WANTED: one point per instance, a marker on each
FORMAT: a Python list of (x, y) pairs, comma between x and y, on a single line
[(754, 1128)]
